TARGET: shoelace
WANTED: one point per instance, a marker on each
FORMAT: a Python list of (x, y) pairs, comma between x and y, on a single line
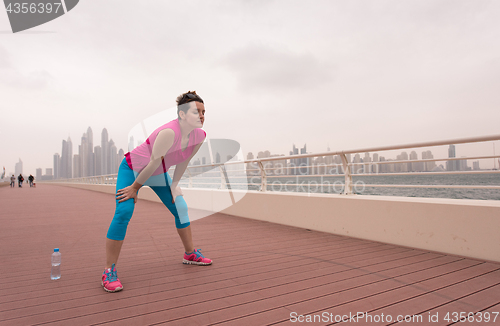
[(111, 276), (198, 253)]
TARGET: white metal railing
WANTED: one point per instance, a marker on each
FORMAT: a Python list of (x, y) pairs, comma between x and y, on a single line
[(108, 179), (261, 169)]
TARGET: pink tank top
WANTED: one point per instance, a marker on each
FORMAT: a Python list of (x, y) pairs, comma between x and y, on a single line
[(140, 156)]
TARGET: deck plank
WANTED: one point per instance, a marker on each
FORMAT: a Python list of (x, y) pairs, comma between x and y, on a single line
[(285, 269)]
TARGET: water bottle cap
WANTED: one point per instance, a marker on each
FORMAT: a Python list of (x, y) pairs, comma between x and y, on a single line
[(56, 250)]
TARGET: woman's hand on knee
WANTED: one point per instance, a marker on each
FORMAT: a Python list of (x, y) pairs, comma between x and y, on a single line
[(126, 194), (176, 191)]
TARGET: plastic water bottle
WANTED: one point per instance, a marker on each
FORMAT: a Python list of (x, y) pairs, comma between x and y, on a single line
[(55, 273)]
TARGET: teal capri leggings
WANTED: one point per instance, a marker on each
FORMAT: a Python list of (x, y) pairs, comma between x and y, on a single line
[(124, 210)]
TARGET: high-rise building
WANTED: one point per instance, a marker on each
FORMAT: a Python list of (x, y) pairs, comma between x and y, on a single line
[(299, 166), (428, 166), (105, 152), (39, 174), (452, 164), (63, 164), (375, 167), (475, 165), (83, 154), (366, 167), (415, 166), (119, 158), (86, 153), (76, 166), (451, 151), (67, 159), (462, 165), (57, 165), (90, 152), (383, 168), (19, 168), (402, 167), (356, 166), (391, 167), (112, 154), (97, 160)]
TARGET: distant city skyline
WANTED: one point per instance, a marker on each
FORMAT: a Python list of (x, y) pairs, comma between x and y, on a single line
[(367, 164), (91, 161)]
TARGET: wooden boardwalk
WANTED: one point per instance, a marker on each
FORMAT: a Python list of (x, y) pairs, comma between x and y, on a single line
[(263, 273)]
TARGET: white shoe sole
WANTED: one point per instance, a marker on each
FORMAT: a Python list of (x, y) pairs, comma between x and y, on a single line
[(190, 262)]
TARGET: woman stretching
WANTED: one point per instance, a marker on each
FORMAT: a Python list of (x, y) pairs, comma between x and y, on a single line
[(174, 143)]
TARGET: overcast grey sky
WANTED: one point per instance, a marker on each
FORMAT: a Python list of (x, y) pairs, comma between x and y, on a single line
[(348, 74)]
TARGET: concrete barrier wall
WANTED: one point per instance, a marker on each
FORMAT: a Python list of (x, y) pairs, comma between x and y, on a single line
[(468, 228)]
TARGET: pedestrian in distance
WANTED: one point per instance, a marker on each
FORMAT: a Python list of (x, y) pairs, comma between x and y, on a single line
[(12, 181), (30, 179), (20, 180), (174, 143)]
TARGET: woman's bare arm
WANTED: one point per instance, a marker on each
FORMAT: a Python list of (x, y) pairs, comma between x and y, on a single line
[(181, 167)]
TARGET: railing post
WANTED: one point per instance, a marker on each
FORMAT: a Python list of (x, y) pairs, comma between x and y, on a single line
[(222, 179), (348, 176), (263, 177)]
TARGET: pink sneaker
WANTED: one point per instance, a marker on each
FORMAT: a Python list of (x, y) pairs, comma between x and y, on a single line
[(196, 258), (110, 280)]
